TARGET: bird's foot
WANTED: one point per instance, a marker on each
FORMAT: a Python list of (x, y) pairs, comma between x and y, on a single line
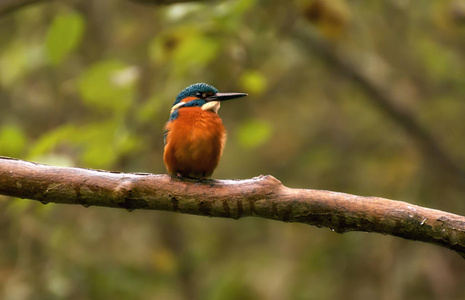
[(197, 180), (201, 180)]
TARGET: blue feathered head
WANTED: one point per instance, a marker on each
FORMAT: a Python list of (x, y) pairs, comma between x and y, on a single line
[(195, 90)]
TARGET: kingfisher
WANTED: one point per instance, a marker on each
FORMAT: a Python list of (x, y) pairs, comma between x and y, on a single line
[(194, 134)]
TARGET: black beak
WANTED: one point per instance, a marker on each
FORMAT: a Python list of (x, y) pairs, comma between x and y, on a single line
[(225, 96)]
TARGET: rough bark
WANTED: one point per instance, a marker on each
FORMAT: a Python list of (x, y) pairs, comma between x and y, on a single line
[(262, 196)]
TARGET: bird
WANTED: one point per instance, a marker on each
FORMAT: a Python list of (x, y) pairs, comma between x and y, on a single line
[(194, 134)]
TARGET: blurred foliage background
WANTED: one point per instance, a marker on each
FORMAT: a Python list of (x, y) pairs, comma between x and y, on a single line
[(364, 97)]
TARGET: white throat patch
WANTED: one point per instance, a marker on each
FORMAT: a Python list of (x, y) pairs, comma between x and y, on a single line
[(213, 106)]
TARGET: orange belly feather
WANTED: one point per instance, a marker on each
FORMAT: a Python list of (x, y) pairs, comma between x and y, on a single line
[(194, 143)]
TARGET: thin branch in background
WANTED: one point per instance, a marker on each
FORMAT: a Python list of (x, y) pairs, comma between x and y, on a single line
[(384, 98), (10, 6), (150, 2)]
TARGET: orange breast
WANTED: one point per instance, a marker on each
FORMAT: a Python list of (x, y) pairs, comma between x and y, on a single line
[(194, 143)]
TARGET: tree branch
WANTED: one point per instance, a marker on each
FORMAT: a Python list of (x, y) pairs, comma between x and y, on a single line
[(262, 196), (9, 6), (164, 1), (381, 94)]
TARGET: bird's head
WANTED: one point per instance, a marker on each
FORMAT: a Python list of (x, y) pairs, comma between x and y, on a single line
[(204, 96)]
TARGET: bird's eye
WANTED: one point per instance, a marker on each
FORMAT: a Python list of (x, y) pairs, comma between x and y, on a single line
[(201, 95)]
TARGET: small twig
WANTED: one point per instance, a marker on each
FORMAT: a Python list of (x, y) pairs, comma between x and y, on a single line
[(263, 196), (163, 1), (9, 6), (382, 96)]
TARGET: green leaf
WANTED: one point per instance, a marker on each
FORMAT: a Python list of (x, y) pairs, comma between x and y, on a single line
[(253, 82), (186, 47), (12, 141), (99, 155), (196, 50), (153, 108), (64, 35), (254, 133), (14, 64), (48, 141), (108, 85)]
